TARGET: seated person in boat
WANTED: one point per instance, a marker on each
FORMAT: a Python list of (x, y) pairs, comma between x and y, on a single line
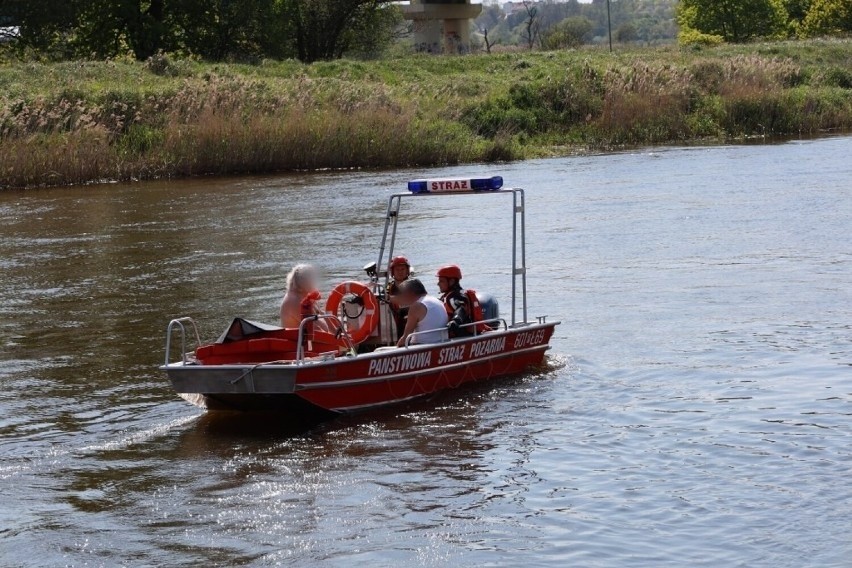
[(400, 271), (425, 314), (300, 299), (462, 305)]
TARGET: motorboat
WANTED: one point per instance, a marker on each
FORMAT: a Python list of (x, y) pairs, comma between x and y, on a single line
[(310, 373)]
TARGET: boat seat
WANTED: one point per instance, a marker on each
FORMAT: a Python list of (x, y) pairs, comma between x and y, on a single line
[(264, 349)]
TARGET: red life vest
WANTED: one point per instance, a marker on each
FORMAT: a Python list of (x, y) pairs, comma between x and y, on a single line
[(476, 314), (309, 303), (309, 309)]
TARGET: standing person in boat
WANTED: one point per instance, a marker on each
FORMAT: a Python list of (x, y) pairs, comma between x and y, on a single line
[(400, 271), (425, 314), (456, 301), (300, 298)]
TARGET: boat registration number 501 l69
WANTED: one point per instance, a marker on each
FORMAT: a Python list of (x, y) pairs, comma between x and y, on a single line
[(529, 338)]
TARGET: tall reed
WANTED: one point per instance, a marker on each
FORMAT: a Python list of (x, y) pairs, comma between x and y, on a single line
[(81, 122)]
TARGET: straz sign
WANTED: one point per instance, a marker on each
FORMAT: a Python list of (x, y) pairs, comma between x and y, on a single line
[(439, 185), (408, 362)]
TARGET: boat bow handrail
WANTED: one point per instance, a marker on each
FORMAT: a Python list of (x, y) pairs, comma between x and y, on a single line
[(474, 325), (180, 324), (300, 347)]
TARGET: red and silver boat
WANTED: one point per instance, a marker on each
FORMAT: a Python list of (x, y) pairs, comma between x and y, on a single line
[(309, 374)]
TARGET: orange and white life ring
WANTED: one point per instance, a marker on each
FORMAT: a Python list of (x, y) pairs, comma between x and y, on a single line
[(362, 325)]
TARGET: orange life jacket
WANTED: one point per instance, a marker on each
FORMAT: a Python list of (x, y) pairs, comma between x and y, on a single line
[(309, 309), (476, 314)]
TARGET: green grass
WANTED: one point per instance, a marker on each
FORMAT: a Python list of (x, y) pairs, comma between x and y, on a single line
[(77, 122)]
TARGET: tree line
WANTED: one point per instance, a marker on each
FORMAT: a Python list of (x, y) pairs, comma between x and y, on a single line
[(312, 30), (713, 21), (309, 30), (570, 23), (550, 24)]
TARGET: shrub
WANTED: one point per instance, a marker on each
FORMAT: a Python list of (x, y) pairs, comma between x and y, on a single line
[(709, 75), (554, 103), (827, 17), (689, 37), (571, 32), (163, 65), (834, 77)]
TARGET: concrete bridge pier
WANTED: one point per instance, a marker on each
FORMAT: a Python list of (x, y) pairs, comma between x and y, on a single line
[(442, 26)]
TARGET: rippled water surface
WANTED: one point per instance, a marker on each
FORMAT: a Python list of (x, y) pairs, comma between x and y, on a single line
[(697, 409)]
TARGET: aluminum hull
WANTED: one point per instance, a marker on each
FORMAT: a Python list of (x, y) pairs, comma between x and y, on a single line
[(314, 389)]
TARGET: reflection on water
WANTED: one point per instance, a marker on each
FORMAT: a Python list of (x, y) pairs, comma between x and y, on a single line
[(696, 410)]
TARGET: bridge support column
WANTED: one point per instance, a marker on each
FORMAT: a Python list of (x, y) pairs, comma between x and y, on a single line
[(442, 27)]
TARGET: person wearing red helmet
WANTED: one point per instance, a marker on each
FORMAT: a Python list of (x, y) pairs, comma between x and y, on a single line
[(400, 271), (456, 301)]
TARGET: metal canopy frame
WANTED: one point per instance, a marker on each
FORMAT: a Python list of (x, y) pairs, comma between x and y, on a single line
[(519, 247)]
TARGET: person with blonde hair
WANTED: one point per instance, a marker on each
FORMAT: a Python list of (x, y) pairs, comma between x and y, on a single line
[(301, 295)]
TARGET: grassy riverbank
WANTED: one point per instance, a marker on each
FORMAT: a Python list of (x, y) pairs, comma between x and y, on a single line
[(78, 122)]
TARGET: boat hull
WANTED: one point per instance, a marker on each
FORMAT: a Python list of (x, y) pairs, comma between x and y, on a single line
[(350, 384)]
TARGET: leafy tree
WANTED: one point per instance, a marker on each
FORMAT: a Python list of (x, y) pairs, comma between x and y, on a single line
[(828, 17), (797, 9), (734, 20), (102, 28), (551, 13), (43, 24), (105, 27), (374, 33), (570, 32), (325, 29), (235, 29), (214, 29), (626, 33)]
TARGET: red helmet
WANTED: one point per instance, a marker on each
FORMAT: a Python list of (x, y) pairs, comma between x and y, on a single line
[(450, 271), (399, 260)]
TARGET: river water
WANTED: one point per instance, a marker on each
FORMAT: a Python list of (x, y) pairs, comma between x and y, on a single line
[(697, 407)]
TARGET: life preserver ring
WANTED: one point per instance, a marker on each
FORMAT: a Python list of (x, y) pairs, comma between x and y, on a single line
[(361, 326)]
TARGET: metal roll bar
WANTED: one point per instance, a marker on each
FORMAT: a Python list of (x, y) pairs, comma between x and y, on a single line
[(519, 248)]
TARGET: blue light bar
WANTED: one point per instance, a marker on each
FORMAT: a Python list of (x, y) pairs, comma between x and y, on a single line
[(455, 185)]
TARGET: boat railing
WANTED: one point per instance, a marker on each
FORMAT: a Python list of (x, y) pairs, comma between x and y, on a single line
[(300, 348), (474, 325), (180, 323)]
